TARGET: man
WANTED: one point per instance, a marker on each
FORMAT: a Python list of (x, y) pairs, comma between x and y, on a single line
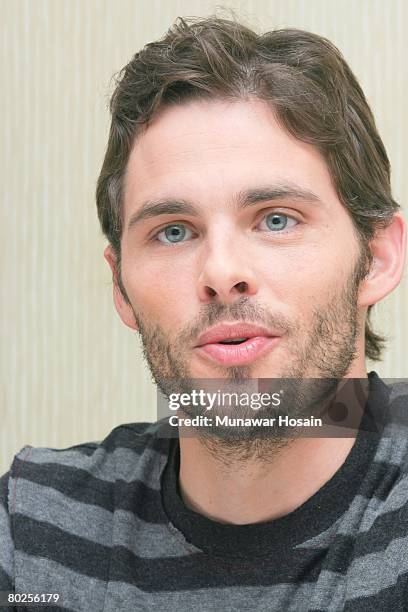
[(245, 195)]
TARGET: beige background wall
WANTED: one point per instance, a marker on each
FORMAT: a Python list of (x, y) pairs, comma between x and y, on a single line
[(70, 370)]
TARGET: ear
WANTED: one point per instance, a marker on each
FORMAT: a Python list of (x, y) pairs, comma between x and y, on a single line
[(388, 248), (123, 309)]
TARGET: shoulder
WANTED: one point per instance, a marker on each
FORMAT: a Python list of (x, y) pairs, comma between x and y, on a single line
[(6, 551), (393, 447), (398, 400), (391, 416), (57, 505), (86, 472)]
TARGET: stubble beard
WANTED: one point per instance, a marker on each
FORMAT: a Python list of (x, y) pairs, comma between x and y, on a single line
[(325, 353)]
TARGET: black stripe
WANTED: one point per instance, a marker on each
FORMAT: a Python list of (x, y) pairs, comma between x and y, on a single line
[(386, 528), (73, 482), (199, 571), (192, 571), (347, 548), (340, 554), (4, 489), (379, 480), (134, 436), (38, 538), (6, 583)]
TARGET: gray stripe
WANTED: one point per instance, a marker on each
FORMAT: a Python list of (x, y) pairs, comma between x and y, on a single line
[(122, 463), (395, 450), (288, 597), (380, 569), (363, 512), (397, 499), (93, 523), (78, 592), (329, 593), (7, 546), (361, 515), (398, 389)]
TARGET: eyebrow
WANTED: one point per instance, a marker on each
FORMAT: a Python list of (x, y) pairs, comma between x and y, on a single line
[(244, 199)]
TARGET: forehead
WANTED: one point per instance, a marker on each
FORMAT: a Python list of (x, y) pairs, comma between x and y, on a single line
[(203, 148)]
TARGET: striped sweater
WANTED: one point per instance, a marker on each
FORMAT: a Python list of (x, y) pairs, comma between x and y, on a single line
[(103, 524)]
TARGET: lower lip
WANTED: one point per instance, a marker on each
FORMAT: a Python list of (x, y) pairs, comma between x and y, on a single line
[(239, 354)]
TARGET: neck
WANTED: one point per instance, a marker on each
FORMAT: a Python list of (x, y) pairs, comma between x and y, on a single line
[(252, 490)]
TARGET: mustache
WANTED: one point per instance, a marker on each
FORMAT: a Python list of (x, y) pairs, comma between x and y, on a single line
[(242, 310)]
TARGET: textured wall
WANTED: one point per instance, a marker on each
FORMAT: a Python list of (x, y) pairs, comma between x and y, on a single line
[(70, 370)]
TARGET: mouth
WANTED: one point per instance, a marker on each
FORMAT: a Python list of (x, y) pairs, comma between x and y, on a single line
[(237, 351)]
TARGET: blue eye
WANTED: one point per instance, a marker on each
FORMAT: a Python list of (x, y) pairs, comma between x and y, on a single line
[(176, 233), (278, 221), (173, 233)]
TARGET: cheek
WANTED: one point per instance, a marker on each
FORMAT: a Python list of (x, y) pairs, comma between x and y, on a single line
[(302, 279), (288, 270), (160, 291)]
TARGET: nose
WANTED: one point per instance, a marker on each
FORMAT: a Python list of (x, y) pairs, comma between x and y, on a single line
[(226, 276)]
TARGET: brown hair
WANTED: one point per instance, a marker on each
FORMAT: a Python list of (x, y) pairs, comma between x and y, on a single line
[(312, 93)]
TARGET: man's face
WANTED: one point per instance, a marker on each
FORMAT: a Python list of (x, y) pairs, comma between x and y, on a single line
[(287, 263)]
